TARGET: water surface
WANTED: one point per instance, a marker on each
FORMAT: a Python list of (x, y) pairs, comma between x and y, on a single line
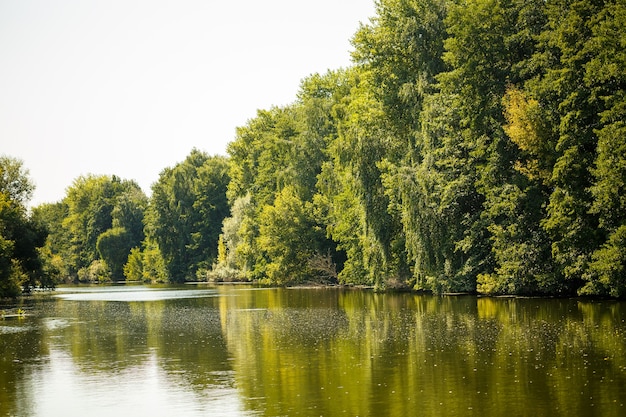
[(198, 350)]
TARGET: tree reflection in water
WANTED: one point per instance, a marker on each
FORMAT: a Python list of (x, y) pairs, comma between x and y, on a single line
[(237, 350)]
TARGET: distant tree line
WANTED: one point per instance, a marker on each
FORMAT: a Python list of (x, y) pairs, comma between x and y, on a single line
[(475, 146), (106, 229)]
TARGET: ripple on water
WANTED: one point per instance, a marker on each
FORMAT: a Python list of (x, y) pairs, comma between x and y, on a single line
[(13, 329), (129, 294), (53, 323)]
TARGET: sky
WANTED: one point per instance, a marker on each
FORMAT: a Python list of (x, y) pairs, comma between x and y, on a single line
[(130, 87)]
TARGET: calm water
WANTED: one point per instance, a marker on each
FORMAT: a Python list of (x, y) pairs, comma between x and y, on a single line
[(242, 351)]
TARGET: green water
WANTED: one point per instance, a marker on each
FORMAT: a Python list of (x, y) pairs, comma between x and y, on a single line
[(242, 351)]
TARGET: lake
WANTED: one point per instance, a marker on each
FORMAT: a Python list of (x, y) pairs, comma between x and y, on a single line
[(236, 350)]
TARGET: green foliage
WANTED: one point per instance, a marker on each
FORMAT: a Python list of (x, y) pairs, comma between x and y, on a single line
[(21, 235), (154, 266), (128, 213), (187, 207), (11, 275), (402, 52), (55, 252), (97, 272), (475, 146), (146, 264), (281, 149), (133, 268), (607, 272), (14, 181), (289, 238), (100, 219), (238, 236), (345, 219), (114, 246), (93, 206)]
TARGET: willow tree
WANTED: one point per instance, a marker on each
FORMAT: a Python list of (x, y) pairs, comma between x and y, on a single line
[(372, 235), (401, 53), (280, 151)]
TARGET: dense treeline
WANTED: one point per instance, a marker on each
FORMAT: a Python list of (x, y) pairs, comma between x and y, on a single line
[(107, 229), (475, 145), (92, 230)]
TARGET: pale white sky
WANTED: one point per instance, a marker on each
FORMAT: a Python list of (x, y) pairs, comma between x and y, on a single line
[(129, 87)]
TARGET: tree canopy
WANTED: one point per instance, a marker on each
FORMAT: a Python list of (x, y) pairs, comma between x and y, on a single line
[(473, 146)]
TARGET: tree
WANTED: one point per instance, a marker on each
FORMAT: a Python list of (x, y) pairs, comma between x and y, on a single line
[(352, 180), (282, 148), (400, 54), (289, 238), (55, 252), (128, 213), (573, 110), (93, 205), (237, 240), (211, 205), (133, 268), (474, 146), (114, 247), (187, 207), (21, 236), (14, 181), (605, 75)]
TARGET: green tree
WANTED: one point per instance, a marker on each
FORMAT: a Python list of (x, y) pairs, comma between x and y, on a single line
[(128, 213), (154, 266), (133, 268), (281, 148), (572, 108), (21, 235), (344, 217), (186, 210), (562, 91), (474, 146), (114, 246), (605, 75), (238, 236), (14, 181), (92, 206), (402, 49), (290, 238), (212, 207), (400, 53), (353, 177), (55, 253)]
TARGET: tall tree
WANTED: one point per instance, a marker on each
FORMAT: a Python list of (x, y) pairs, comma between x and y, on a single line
[(282, 148), (187, 207), (401, 53), (362, 143), (562, 91), (605, 76), (114, 246)]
